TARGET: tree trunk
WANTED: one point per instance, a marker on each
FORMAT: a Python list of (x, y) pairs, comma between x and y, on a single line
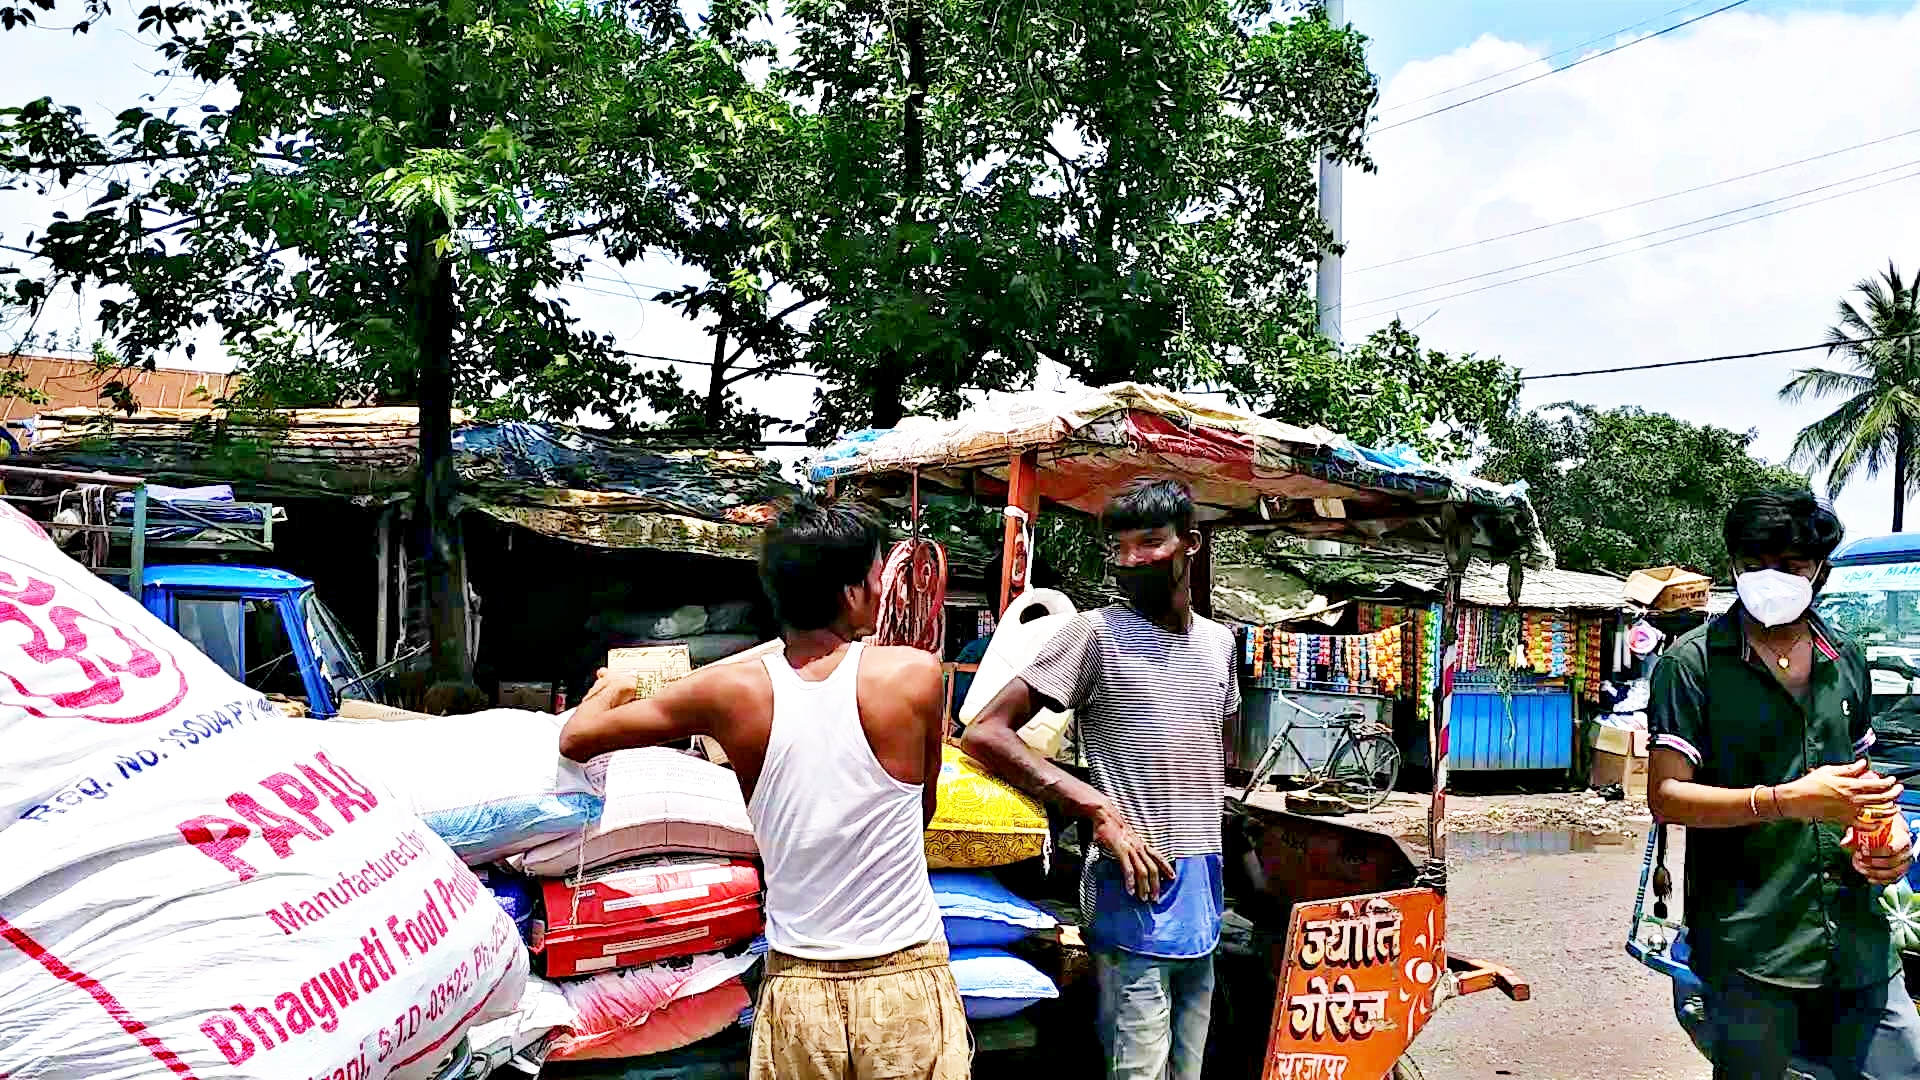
[(1902, 463), (890, 375), (430, 282), (716, 410), (441, 544)]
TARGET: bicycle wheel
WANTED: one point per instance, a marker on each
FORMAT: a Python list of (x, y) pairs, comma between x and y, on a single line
[(1363, 771)]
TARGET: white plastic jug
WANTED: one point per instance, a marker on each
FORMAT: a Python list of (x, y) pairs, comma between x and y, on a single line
[(1015, 644)]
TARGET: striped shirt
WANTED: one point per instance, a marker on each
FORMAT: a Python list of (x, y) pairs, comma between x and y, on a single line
[(1151, 707)]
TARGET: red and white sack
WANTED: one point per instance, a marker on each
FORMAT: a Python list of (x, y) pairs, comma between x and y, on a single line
[(190, 885), (651, 1010)]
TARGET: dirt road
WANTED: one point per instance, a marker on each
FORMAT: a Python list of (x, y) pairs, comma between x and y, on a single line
[(1543, 884), (1558, 915)]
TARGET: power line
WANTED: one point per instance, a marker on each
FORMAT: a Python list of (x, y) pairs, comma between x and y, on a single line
[(1640, 236), (1548, 58), (1633, 205), (1556, 71), (1659, 243), (1707, 359)]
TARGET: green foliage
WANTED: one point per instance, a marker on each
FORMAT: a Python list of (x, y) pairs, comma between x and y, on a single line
[(369, 148), (1126, 189), (1877, 425), (1388, 391), (1621, 489)]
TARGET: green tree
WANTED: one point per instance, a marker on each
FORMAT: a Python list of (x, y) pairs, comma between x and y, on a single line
[(398, 183), (1877, 425), (1126, 189), (1389, 391), (1621, 489)]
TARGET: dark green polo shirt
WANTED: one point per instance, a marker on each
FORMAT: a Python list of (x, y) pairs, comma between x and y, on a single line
[(1777, 901)]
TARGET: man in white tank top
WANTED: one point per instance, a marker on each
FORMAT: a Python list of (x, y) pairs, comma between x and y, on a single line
[(837, 748)]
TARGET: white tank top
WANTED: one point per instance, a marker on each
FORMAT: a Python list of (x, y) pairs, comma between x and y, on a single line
[(842, 840)]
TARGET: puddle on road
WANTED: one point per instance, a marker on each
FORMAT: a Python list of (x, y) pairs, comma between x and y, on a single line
[(1475, 845)]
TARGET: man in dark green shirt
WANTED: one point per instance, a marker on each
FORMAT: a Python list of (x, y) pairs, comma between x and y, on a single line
[(1760, 724)]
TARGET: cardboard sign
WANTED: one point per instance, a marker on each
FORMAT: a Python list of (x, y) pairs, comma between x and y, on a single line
[(652, 666), (1356, 985)]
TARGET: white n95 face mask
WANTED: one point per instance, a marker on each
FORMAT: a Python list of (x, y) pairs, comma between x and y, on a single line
[(1774, 597)]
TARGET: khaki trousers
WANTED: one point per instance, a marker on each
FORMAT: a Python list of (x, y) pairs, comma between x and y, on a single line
[(894, 1017)]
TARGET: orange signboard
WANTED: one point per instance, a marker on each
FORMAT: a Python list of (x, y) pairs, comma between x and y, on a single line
[(1356, 985)]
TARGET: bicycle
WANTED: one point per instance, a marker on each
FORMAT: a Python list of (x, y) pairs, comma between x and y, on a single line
[(1360, 772)]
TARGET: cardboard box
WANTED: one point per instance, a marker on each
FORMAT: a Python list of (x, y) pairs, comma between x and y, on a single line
[(533, 696), (1620, 741), (651, 666), (1611, 768), (1668, 588)]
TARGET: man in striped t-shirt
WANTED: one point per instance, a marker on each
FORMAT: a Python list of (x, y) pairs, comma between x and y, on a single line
[(1151, 685)]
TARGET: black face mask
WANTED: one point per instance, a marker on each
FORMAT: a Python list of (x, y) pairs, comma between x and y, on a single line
[(1149, 586)]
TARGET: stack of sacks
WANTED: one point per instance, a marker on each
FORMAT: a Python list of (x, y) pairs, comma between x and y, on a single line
[(649, 909), (982, 918), (710, 633), (492, 784)]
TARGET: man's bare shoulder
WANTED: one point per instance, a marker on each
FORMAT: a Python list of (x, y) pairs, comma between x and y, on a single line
[(903, 670), (901, 661), (724, 682)]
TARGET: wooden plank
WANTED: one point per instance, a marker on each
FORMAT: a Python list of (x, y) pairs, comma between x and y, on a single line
[(1472, 976)]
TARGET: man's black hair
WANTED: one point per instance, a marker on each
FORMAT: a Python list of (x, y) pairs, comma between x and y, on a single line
[(1148, 503), (1782, 521), (813, 552)]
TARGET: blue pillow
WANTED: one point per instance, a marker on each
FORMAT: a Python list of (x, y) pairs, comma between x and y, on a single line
[(994, 984), (979, 911)]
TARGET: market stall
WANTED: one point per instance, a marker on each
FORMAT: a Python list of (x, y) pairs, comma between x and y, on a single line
[(1315, 878)]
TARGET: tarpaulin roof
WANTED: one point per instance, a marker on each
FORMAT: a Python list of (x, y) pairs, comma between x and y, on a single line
[(1547, 589), (558, 480), (1244, 469)]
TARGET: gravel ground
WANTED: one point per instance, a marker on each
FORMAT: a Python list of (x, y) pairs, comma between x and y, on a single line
[(1559, 920)]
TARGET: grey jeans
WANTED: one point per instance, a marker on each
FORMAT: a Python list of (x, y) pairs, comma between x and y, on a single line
[(1154, 1015), (1757, 1029)]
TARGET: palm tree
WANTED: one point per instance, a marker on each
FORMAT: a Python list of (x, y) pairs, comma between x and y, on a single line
[(1878, 425)]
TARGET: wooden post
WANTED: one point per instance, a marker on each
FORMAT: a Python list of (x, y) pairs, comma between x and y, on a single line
[(137, 547), (1457, 535), (1023, 505), (1202, 574), (383, 570)]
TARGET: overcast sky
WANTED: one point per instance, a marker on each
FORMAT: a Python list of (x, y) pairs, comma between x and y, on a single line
[(1767, 83)]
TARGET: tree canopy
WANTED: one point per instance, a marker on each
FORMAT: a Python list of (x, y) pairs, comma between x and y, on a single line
[(1622, 489)]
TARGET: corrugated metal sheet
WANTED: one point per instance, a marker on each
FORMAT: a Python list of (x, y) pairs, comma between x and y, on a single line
[(1485, 584), (70, 383), (1521, 731)]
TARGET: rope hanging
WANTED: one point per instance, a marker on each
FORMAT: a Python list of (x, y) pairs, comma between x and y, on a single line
[(913, 597)]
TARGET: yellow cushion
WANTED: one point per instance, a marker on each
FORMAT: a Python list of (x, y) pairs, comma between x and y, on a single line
[(981, 821)]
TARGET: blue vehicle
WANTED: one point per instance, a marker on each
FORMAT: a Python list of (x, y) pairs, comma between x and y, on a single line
[(265, 627), (1873, 596)]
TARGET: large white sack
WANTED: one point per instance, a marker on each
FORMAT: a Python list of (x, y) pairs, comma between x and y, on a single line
[(190, 885), (491, 784), (658, 801)]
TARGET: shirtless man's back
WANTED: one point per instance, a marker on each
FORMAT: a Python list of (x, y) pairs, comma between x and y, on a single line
[(837, 749)]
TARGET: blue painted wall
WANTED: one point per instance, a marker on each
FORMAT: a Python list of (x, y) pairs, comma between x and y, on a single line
[(1537, 733)]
